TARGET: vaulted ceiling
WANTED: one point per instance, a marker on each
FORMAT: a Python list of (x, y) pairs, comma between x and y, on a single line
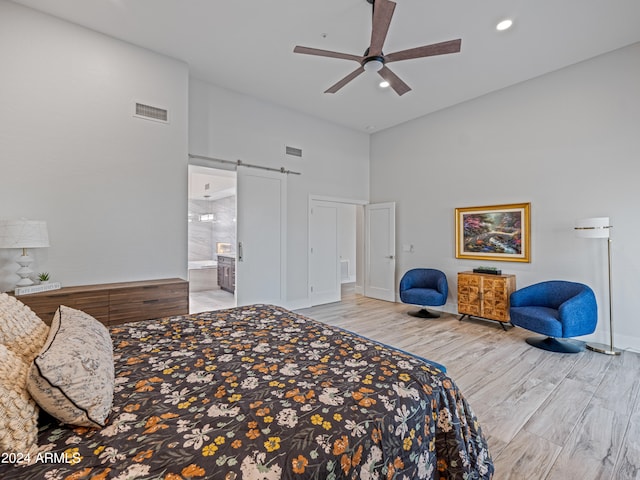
[(247, 46)]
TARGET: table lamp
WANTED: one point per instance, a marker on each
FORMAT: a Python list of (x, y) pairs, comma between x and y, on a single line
[(23, 234)]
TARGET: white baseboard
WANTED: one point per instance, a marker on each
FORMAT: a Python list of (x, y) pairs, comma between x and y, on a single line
[(623, 342), (297, 304)]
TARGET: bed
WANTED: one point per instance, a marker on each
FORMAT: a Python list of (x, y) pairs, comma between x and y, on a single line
[(260, 392)]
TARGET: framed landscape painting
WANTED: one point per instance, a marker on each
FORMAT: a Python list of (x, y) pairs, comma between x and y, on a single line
[(496, 232)]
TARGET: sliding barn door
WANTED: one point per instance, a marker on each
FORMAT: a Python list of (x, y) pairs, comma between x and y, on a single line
[(261, 236)]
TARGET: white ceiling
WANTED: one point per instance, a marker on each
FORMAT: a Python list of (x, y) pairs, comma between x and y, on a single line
[(247, 46)]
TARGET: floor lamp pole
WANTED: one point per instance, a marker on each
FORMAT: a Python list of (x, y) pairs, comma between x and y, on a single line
[(599, 347), (610, 297)]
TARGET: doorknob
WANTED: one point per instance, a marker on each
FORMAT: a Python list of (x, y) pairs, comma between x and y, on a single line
[(390, 257)]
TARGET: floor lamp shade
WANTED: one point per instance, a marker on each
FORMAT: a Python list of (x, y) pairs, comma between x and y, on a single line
[(24, 234), (599, 227)]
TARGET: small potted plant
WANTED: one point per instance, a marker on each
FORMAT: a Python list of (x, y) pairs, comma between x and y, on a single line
[(43, 277)]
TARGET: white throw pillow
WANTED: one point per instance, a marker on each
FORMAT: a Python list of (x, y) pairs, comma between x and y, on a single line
[(18, 411), (21, 330), (73, 377)]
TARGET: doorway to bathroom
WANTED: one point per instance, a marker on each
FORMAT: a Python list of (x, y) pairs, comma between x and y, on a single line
[(212, 238)]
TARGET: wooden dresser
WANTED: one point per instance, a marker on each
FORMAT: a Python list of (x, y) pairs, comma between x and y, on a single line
[(115, 303), (485, 295)]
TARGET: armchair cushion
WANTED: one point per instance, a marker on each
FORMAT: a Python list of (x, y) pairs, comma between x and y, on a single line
[(555, 308), (424, 286)]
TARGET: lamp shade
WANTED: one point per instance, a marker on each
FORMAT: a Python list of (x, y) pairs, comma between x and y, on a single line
[(23, 234), (596, 227)]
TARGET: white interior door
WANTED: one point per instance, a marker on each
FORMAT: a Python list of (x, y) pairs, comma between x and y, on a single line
[(380, 251), (261, 235), (324, 252)]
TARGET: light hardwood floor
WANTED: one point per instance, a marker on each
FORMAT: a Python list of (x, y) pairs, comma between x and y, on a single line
[(546, 415), (206, 300)]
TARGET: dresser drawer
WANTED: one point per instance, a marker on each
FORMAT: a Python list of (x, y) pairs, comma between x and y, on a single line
[(147, 302), (95, 303)]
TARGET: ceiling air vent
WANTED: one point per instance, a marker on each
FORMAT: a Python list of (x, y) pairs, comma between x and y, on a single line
[(151, 113), (293, 151)]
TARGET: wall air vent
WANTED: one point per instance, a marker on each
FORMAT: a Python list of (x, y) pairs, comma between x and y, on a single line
[(293, 151), (151, 113)]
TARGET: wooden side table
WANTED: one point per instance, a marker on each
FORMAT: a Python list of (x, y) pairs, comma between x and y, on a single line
[(485, 295)]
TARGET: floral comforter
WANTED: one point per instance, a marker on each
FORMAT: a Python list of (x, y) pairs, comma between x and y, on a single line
[(260, 392)]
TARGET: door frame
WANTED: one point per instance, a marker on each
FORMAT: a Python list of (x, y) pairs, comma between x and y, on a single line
[(359, 239), (215, 167), (221, 164)]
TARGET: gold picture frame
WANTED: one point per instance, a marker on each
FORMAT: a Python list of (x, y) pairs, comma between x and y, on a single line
[(494, 232)]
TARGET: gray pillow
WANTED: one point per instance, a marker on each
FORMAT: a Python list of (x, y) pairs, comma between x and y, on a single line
[(73, 376)]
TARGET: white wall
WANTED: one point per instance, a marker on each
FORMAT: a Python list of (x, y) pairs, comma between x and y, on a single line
[(112, 188), (335, 163), (568, 142)]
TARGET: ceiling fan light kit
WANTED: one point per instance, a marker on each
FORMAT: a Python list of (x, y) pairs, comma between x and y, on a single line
[(373, 60), (373, 64)]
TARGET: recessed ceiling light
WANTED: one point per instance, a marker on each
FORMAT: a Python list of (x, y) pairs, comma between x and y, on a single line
[(384, 84), (504, 25)]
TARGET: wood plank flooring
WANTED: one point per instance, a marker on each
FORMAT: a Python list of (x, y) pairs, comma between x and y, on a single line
[(207, 300), (546, 415)]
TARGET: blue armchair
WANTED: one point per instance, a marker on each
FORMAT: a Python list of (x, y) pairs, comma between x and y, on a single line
[(558, 309), (424, 287)]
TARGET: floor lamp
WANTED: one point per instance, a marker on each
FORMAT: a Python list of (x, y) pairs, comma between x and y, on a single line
[(599, 227)]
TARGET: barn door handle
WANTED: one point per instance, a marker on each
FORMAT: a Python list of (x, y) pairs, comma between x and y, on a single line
[(239, 251)]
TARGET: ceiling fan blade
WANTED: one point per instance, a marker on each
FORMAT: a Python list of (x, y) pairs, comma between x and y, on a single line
[(344, 81), (382, 14), (396, 83), (452, 46), (327, 53)]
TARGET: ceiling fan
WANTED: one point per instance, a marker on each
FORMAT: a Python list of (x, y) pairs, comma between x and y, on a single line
[(374, 59)]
